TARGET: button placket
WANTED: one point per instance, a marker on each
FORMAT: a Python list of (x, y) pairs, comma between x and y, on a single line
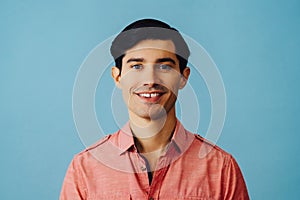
[(143, 168), (140, 164), (157, 181)]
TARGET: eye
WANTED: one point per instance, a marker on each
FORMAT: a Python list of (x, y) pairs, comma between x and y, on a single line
[(165, 67), (137, 66)]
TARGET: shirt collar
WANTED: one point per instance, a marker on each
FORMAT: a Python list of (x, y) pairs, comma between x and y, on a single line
[(125, 139), (181, 138)]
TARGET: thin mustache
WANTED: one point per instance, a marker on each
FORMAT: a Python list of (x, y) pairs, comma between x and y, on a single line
[(152, 88)]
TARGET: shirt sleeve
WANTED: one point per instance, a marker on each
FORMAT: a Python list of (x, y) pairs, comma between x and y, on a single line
[(234, 186), (73, 187)]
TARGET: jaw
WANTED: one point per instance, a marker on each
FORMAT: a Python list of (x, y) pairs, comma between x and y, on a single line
[(156, 118)]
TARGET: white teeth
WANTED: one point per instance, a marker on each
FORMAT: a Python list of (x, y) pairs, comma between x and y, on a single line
[(147, 95), (154, 94)]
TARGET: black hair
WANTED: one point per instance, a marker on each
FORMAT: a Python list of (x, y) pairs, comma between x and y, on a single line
[(148, 29)]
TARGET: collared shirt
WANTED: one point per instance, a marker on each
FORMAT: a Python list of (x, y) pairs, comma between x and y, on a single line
[(189, 168)]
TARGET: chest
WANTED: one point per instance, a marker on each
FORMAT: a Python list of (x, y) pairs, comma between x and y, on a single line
[(176, 181)]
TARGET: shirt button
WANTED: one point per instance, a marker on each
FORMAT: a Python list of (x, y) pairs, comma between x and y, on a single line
[(151, 198), (143, 168)]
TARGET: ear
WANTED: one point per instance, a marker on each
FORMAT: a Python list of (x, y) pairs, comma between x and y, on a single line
[(116, 75), (184, 77)]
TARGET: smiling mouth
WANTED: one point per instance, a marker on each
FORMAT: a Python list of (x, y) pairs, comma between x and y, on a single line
[(150, 97)]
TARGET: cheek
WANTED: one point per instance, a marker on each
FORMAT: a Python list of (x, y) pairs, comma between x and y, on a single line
[(128, 84), (128, 81), (125, 97), (173, 84)]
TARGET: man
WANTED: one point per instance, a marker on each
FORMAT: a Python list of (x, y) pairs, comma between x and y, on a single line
[(152, 156)]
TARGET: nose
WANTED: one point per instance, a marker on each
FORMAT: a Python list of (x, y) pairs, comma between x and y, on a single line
[(150, 77)]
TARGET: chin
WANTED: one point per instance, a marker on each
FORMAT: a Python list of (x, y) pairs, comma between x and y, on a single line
[(152, 113)]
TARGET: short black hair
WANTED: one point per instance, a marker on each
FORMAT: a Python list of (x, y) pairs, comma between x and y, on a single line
[(145, 29)]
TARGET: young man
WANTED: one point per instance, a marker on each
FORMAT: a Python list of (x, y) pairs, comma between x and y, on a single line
[(152, 156)]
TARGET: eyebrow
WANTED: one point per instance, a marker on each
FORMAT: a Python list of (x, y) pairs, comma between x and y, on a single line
[(135, 60), (159, 60)]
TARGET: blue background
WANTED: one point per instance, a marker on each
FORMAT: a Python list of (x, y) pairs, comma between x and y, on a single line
[(255, 44)]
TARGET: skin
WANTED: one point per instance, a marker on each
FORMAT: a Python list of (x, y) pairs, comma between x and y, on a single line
[(150, 80)]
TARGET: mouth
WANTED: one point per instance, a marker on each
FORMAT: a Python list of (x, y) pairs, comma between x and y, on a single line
[(150, 97)]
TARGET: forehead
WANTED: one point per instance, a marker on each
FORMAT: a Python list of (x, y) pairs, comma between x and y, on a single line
[(163, 46)]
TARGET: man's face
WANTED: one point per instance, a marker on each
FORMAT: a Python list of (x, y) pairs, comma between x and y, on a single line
[(150, 78)]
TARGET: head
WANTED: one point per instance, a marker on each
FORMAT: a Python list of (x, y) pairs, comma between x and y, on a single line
[(151, 66), (148, 29)]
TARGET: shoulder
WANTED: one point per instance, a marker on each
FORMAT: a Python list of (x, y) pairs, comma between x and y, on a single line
[(210, 149), (100, 145), (95, 145), (224, 165)]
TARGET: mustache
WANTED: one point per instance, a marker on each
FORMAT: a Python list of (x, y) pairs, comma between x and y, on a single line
[(154, 87)]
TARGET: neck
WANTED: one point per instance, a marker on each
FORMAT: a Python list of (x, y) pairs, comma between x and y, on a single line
[(152, 135)]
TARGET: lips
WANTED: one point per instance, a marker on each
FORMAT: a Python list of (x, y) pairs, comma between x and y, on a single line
[(150, 97)]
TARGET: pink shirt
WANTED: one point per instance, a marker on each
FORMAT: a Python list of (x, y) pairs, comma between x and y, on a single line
[(190, 168)]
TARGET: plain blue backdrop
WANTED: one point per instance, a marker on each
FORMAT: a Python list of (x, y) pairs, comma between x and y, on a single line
[(255, 44)]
